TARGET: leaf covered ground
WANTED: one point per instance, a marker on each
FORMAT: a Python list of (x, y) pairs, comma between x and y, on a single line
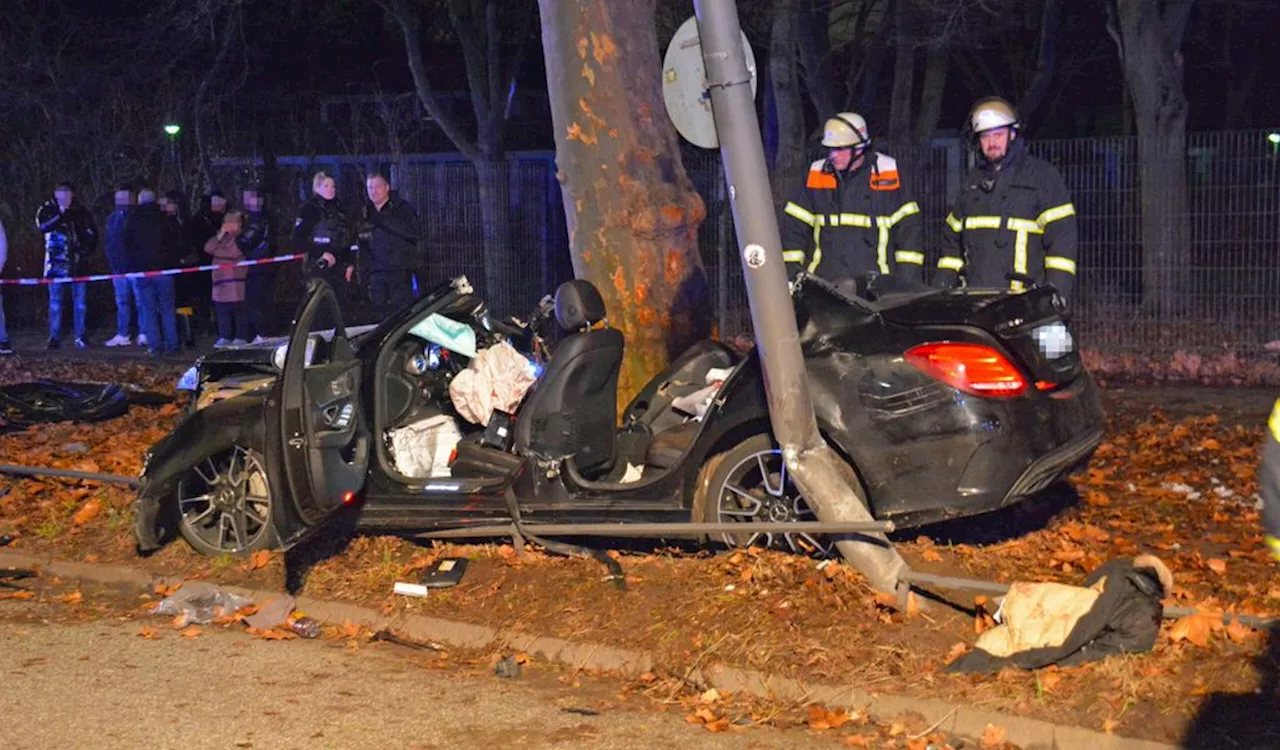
[(1174, 478)]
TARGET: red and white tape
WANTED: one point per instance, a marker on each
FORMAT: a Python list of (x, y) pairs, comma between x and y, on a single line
[(150, 274)]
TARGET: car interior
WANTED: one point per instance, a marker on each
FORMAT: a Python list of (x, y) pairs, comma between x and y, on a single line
[(571, 411)]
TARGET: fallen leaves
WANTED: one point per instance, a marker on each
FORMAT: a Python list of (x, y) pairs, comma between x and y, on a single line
[(257, 560), (1196, 629), (992, 737), (190, 631), (150, 634), (1217, 566), (87, 512), (821, 718)]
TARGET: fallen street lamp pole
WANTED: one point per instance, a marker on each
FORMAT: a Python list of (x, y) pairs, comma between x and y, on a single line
[(622, 530), (88, 476), (828, 483)]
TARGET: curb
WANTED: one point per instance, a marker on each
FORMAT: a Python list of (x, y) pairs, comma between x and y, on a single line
[(1030, 734)]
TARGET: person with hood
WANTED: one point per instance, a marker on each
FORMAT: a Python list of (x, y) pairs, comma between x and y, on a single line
[(322, 231), (255, 244), (116, 262), (70, 234), (388, 246), (205, 223), (180, 253), (144, 238), (1013, 216)]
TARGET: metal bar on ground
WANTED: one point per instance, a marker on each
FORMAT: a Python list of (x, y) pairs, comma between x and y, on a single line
[(661, 529), (41, 472), (991, 587)]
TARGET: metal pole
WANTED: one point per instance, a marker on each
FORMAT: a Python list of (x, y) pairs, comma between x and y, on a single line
[(34, 471), (828, 483), (621, 530)]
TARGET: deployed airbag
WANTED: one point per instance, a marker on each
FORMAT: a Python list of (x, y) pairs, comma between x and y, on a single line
[(497, 378)]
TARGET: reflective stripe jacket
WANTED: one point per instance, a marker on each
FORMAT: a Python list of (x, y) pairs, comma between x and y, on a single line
[(1018, 219), (842, 225), (1269, 482)]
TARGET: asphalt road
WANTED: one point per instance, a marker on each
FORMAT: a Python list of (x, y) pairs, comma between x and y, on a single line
[(70, 678)]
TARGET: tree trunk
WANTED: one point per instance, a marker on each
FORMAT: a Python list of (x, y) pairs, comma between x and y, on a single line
[(1149, 34), (904, 63), (502, 290), (813, 34), (631, 209), (1046, 61), (936, 66), (784, 77)]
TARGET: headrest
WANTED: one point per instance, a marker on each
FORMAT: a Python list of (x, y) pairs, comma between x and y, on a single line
[(578, 304)]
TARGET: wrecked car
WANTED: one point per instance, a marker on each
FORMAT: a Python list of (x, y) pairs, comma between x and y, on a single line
[(944, 403)]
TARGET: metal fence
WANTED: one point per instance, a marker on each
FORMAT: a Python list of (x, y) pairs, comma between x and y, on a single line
[(1233, 289)]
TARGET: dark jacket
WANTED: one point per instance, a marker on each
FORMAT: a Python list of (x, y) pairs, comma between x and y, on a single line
[(144, 238), (848, 225), (389, 237), (1015, 219), (114, 244), (69, 236), (1269, 482), (322, 227), (203, 226), (254, 241), (176, 253)]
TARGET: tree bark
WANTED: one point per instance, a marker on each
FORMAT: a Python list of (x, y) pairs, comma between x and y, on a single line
[(1149, 36), (936, 67), (1046, 61), (784, 78), (812, 33), (901, 103), (631, 209)]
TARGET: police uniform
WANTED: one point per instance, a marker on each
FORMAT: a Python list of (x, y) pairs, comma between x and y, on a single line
[(1015, 219), (842, 226)]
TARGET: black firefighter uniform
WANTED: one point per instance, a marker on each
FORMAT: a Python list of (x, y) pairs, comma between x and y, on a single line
[(841, 226), (1019, 219)]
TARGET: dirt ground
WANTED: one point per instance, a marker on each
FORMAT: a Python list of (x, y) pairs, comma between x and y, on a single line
[(1174, 478)]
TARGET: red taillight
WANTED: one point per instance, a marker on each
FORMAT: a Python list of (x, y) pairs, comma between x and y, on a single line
[(348, 497), (972, 368)]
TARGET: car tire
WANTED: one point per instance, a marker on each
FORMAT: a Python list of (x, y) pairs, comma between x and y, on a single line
[(224, 504), (748, 482)]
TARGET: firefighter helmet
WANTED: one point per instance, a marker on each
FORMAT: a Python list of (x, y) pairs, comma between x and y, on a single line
[(846, 130), (991, 113)]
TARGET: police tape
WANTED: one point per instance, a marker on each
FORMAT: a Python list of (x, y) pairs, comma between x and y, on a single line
[(150, 274)]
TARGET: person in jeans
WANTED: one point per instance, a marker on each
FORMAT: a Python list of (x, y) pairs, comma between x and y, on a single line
[(5, 348), (70, 234), (116, 262), (144, 237), (229, 283)]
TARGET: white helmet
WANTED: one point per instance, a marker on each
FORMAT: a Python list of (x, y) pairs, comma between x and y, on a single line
[(845, 130), (991, 113)]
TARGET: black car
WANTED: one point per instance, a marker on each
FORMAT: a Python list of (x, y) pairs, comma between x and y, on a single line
[(945, 403)]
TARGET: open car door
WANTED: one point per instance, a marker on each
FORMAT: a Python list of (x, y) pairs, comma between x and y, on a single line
[(317, 430)]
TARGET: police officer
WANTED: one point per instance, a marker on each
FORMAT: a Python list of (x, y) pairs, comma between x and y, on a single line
[(1013, 214), (323, 232), (1269, 481), (855, 218)]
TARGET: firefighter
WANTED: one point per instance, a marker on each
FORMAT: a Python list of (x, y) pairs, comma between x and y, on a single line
[(855, 218), (1269, 481), (1013, 214)]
